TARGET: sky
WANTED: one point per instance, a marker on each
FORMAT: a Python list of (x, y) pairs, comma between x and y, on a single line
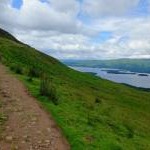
[(80, 29)]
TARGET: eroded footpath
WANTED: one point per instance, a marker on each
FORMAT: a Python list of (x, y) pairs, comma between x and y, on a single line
[(24, 125)]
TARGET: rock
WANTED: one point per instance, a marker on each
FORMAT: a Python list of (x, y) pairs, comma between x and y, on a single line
[(33, 123), (5, 94), (10, 109), (34, 119), (9, 138), (39, 142), (7, 127), (23, 142), (17, 100), (49, 130), (19, 109), (26, 138), (47, 141), (15, 110), (16, 147), (31, 148), (39, 132)]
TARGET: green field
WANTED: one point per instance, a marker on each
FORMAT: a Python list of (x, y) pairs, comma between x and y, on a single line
[(93, 113)]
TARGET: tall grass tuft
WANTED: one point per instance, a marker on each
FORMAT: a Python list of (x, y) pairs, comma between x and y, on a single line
[(48, 89)]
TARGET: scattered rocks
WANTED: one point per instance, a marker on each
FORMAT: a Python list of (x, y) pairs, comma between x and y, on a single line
[(18, 109), (5, 94)]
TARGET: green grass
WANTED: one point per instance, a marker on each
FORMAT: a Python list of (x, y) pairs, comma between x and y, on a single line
[(119, 120)]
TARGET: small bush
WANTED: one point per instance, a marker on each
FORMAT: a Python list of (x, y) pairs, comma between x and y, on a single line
[(16, 68), (19, 70), (47, 89), (3, 61), (30, 79), (3, 118), (0, 57), (98, 101), (33, 72)]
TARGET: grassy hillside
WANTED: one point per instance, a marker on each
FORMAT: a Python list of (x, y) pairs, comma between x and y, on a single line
[(135, 65), (94, 114)]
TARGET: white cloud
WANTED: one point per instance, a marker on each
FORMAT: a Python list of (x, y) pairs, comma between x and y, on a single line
[(131, 36), (70, 7), (41, 16), (36, 15), (55, 28), (139, 44), (97, 8)]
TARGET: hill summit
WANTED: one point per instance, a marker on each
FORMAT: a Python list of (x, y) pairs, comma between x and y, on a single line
[(7, 35)]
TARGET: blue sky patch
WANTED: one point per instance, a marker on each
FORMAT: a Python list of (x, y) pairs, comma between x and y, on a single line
[(102, 37), (44, 1), (17, 4)]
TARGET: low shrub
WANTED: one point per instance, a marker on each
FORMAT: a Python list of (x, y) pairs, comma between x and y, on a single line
[(16, 68), (0, 57), (30, 79), (98, 101), (33, 72), (19, 70), (47, 89), (3, 118)]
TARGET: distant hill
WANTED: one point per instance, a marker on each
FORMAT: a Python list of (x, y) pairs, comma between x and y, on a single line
[(93, 113), (135, 65)]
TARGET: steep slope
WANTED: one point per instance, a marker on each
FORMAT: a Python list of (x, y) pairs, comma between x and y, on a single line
[(93, 113)]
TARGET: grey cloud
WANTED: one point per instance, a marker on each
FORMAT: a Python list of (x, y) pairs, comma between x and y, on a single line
[(97, 8), (69, 6)]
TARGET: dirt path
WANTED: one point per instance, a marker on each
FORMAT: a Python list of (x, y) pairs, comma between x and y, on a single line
[(27, 126)]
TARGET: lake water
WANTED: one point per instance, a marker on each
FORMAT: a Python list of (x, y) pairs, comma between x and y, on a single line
[(130, 79)]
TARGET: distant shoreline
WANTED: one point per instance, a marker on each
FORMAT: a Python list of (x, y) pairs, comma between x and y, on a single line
[(132, 79), (139, 88)]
